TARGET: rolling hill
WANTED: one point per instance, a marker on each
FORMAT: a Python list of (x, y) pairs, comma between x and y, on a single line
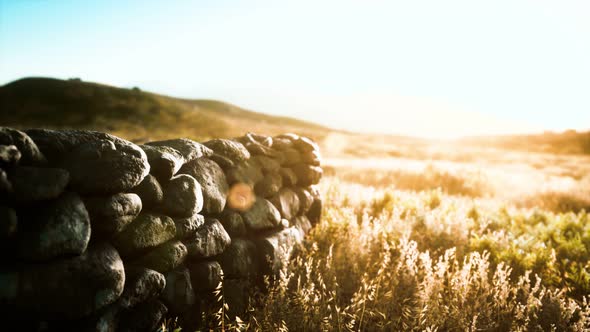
[(141, 116), (567, 142), (132, 113)]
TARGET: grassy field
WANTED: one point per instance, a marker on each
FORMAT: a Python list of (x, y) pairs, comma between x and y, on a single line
[(479, 234), (493, 241)]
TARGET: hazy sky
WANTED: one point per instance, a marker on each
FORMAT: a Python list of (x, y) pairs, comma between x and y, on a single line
[(430, 68)]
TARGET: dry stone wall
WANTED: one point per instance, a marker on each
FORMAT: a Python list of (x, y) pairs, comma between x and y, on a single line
[(100, 234)]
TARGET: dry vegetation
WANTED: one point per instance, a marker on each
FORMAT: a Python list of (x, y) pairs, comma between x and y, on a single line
[(440, 245), (488, 234), (132, 113)]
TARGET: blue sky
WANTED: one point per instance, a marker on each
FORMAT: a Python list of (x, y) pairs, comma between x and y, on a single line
[(427, 68)]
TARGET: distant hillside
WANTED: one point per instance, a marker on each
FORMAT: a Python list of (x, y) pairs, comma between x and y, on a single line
[(568, 142), (132, 113), (141, 116)]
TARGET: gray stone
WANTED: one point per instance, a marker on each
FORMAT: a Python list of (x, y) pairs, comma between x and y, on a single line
[(284, 224), (246, 172), (223, 162), (150, 191), (100, 168), (178, 294), (111, 214), (148, 230), (307, 174), (143, 318), (163, 258), (186, 227), (164, 161), (205, 276), (302, 224), (248, 138), (289, 177), (269, 186), (266, 164), (311, 158), (267, 141), (281, 143), (141, 285), (290, 136), (66, 289), (292, 156), (233, 223), (256, 138), (54, 228), (213, 183), (35, 184), (280, 157), (239, 260), (8, 222), (189, 149), (98, 163), (259, 149), (30, 154), (209, 240), (305, 144), (275, 250), (9, 155), (261, 216), (182, 196), (234, 151), (305, 199), (287, 202)]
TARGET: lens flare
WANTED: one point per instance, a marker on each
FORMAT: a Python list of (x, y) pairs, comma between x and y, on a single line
[(241, 197)]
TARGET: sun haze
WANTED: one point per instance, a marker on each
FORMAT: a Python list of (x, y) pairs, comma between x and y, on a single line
[(422, 68)]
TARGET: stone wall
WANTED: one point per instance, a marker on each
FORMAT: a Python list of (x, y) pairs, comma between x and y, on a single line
[(100, 234)]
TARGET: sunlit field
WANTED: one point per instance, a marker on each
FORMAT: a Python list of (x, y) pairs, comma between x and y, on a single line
[(449, 140), (492, 241)]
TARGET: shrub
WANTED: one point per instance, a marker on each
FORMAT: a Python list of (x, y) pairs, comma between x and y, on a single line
[(385, 272)]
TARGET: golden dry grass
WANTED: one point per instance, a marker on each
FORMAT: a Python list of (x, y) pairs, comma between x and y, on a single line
[(488, 234), (426, 245)]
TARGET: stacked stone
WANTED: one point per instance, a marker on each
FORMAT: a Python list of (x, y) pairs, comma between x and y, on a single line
[(283, 172), (57, 266), (102, 235)]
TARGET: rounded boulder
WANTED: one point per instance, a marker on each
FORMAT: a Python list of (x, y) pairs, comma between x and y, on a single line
[(263, 215), (232, 150), (29, 151), (66, 289), (209, 240), (111, 214), (60, 227), (9, 156), (213, 183), (163, 258), (150, 191), (164, 161), (307, 174), (182, 196), (35, 184), (98, 163), (148, 230)]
